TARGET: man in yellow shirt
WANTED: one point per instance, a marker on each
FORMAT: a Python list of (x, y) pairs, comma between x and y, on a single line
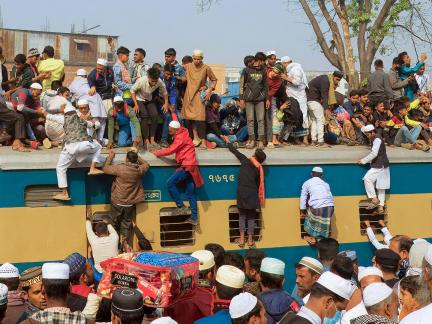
[(54, 67)]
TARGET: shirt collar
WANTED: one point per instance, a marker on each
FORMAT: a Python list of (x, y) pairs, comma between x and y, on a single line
[(309, 315)]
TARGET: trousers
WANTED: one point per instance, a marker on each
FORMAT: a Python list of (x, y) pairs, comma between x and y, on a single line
[(149, 116), (379, 179), (316, 114), (121, 219), (249, 216), (258, 109), (101, 130), (405, 135), (16, 119), (183, 176)]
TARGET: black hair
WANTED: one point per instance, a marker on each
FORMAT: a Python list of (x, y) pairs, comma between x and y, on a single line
[(101, 228), (398, 106), (203, 273), (376, 103), (135, 317), (56, 84), (218, 252), (317, 174), (225, 292), (11, 283), (56, 288), (260, 56), (319, 291), (362, 92), (62, 90), (343, 266), (169, 68), (328, 248), (123, 50), (247, 59), (49, 51), (271, 281), (338, 74), (156, 66), (75, 278), (353, 93), (153, 72), (260, 155), (187, 59), (416, 113), (401, 56), (405, 242), (254, 257), (141, 50), (170, 51), (235, 259), (20, 58), (132, 156), (245, 318), (379, 63), (215, 98), (396, 60)]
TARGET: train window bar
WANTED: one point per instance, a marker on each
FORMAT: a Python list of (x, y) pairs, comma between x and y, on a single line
[(174, 231), (41, 196), (372, 216), (234, 228)]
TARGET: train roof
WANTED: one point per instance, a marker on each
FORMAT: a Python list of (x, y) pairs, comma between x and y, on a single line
[(289, 155)]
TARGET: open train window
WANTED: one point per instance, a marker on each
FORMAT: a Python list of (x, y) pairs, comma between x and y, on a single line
[(370, 215), (41, 196), (173, 229), (234, 227)]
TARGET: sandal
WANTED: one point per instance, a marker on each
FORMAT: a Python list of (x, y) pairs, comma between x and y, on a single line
[(241, 246), (61, 197), (251, 245), (20, 148)]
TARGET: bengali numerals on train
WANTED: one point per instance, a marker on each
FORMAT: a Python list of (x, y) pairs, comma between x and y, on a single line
[(220, 178)]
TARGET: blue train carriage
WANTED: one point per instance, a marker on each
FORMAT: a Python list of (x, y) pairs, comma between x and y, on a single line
[(35, 228)]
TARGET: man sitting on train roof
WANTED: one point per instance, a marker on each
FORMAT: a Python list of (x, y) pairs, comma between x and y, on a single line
[(8, 118), (316, 206)]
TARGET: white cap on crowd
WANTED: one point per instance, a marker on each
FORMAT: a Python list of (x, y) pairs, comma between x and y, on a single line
[(285, 59), (367, 129), (3, 294), (81, 72), (242, 304), (8, 270), (198, 52), (369, 271), (68, 108), (82, 102), (164, 320), (317, 170), (118, 99), (102, 61), (428, 255), (55, 270), (230, 276), (174, 124), (36, 85), (273, 266), (375, 293), (205, 258), (312, 264), (336, 284), (270, 53)]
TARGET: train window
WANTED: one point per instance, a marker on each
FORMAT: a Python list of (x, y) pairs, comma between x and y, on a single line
[(173, 229), (41, 196), (370, 215), (234, 228)]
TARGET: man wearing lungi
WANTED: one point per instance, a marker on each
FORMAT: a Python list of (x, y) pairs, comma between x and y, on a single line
[(378, 175), (317, 206)]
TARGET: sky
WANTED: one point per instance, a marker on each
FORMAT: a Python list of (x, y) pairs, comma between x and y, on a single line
[(230, 30)]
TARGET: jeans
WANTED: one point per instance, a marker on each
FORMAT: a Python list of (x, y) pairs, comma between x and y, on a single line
[(404, 135), (258, 109), (240, 136), (125, 136), (316, 114), (182, 175), (216, 139), (167, 119)]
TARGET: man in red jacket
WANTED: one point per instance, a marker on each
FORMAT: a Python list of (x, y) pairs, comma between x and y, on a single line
[(188, 172)]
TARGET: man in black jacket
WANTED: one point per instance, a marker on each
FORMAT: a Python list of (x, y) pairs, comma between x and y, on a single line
[(250, 191)]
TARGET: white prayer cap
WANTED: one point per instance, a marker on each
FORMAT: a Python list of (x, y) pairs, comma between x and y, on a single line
[(8, 270), (312, 264), (270, 53), (230, 276), (101, 61), (375, 293), (369, 271), (36, 85), (336, 284), (428, 256), (3, 294), (81, 72), (174, 124), (82, 102), (205, 258), (69, 108), (285, 59), (317, 170), (242, 304), (198, 52), (273, 266), (55, 270), (418, 240), (367, 128), (417, 253), (118, 99), (164, 320)]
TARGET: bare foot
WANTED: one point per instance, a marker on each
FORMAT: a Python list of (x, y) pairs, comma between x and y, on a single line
[(381, 222), (367, 223)]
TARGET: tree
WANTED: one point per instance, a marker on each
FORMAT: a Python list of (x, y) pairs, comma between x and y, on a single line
[(345, 26)]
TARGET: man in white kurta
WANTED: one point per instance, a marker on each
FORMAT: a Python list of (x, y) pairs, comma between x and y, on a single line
[(377, 179)]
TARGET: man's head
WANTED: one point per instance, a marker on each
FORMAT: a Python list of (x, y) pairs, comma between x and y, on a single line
[(404, 58), (379, 106), (379, 64), (272, 273), (35, 90), (427, 268), (354, 96), (9, 276), (387, 260), (352, 255), (48, 52), (56, 84), (363, 96), (380, 300), (317, 172), (83, 106), (343, 266), (218, 253), (31, 287), (55, 281), (118, 103), (369, 131), (3, 301), (401, 244), (139, 55), (101, 229), (308, 270), (197, 57), (173, 127), (229, 282), (123, 54), (170, 56), (215, 101), (369, 275), (168, 72), (63, 92), (337, 76), (186, 60), (401, 109), (413, 293), (20, 60), (248, 60), (153, 76), (396, 64), (252, 261), (206, 264), (81, 73), (81, 272), (271, 58), (285, 61), (101, 65), (33, 56), (421, 71), (247, 309), (259, 59), (127, 306), (234, 259), (260, 156), (328, 248), (132, 157)]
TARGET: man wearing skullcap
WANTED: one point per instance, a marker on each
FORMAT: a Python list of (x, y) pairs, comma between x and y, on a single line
[(388, 262), (3, 301), (31, 291), (193, 111), (101, 81), (127, 306), (316, 206), (188, 173), (247, 309), (328, 295), (381, 304), (378, 175), (80, 275), (277, 302), (229, 283), (250, 191), (9, 276), (164, 320), (56, 285), (252, 261), (308, 270)]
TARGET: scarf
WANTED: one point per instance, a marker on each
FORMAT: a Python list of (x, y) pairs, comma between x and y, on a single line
[(332, 94), (124, 72), (261, 189)]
